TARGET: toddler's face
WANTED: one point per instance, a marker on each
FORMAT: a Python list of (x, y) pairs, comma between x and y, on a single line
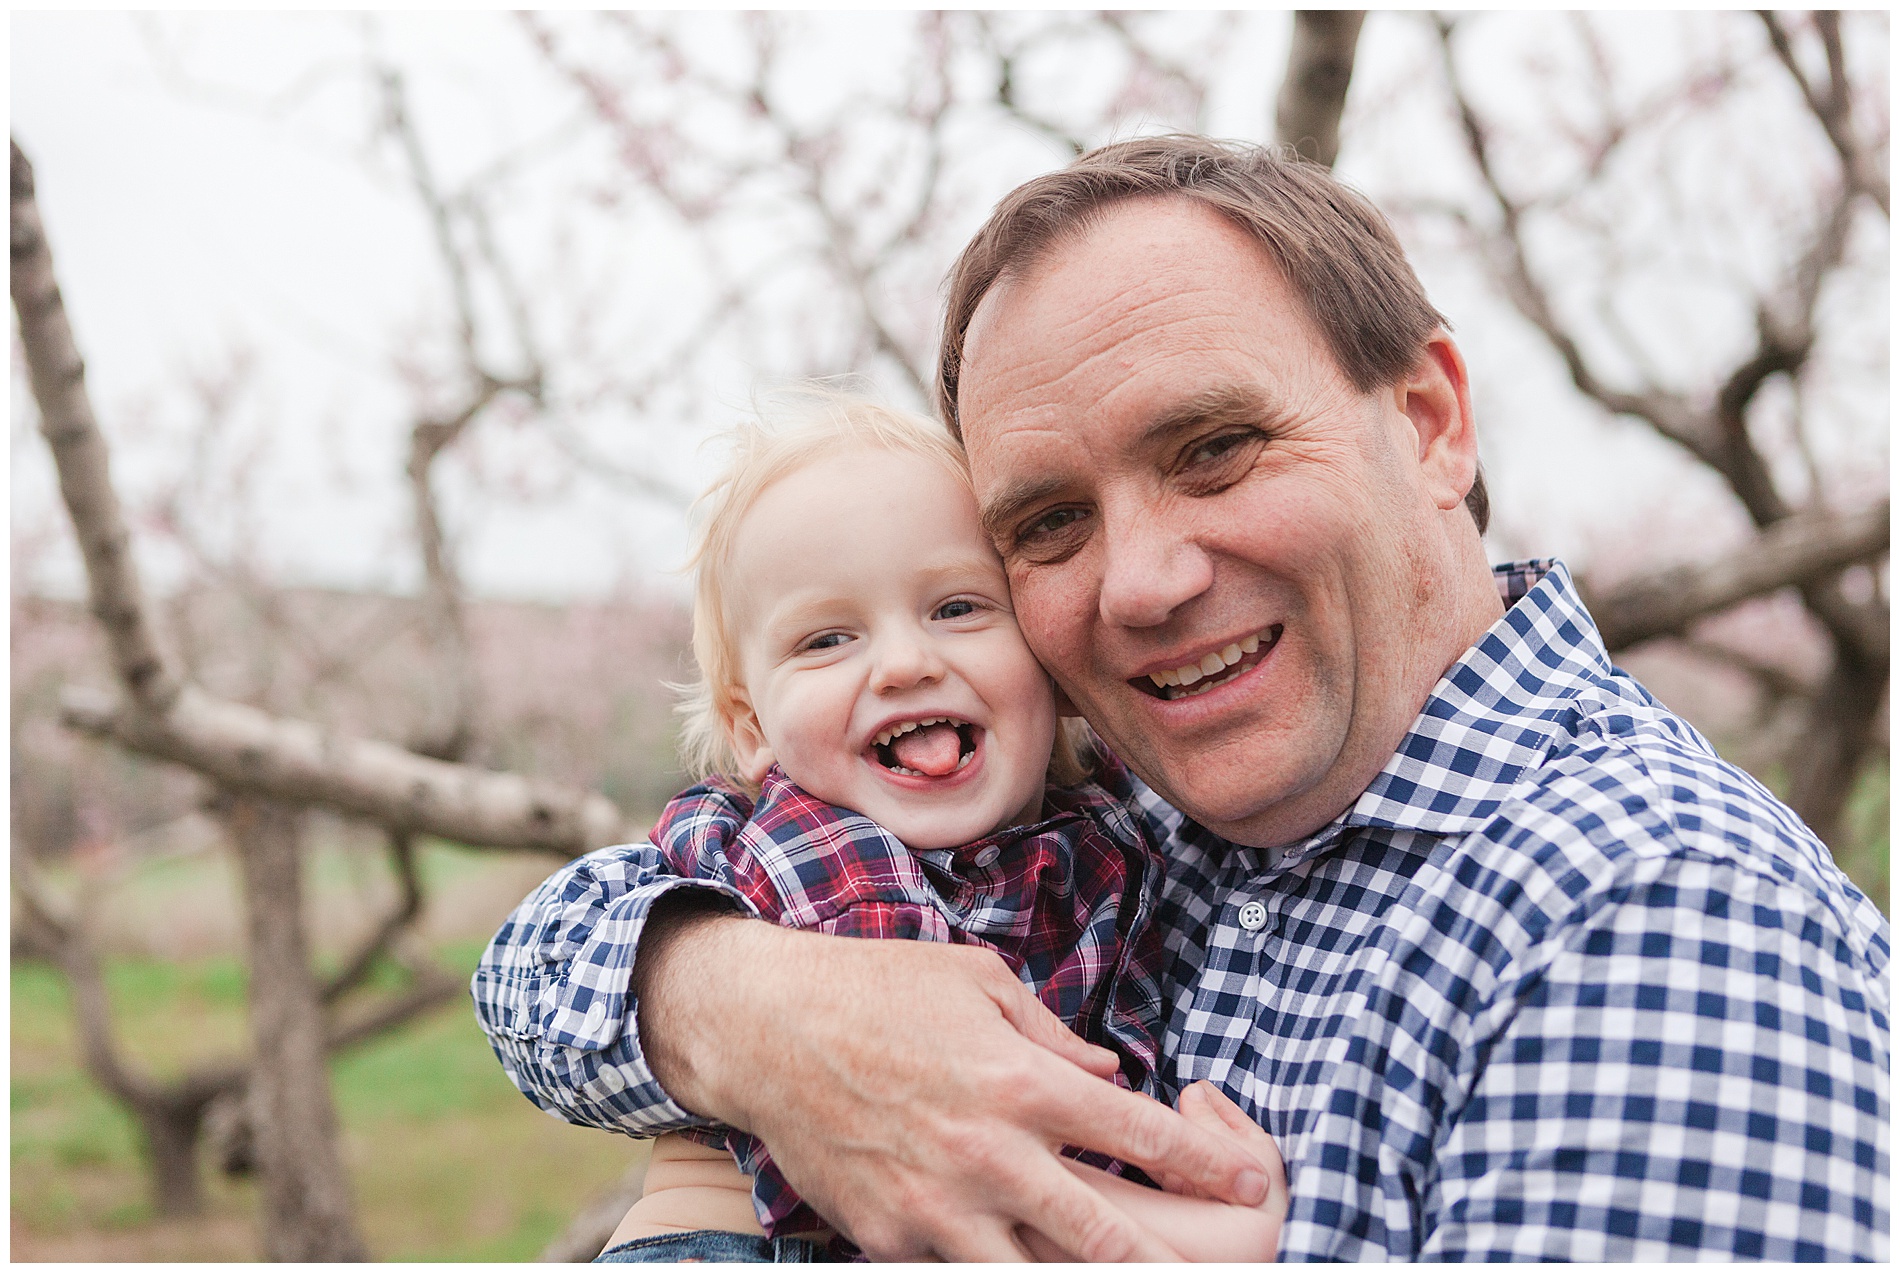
[(879, 654)]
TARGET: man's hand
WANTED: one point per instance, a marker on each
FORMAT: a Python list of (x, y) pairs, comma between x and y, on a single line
[(914, 1093)]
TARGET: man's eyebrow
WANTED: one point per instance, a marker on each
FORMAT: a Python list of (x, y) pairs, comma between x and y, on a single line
[(1000, 510), (1210, 409)]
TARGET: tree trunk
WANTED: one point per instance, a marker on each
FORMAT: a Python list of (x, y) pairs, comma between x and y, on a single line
[(308, 1210), (1318, 72), (170, 1132), (1826, 760)]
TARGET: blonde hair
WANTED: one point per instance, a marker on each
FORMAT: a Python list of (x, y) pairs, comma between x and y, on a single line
[(801, 426)]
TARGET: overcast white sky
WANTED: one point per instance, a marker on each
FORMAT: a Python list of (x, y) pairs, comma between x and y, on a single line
[(189, 223), (207, 190)]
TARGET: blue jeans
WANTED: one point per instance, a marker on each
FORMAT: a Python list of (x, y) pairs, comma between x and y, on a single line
[(712, 1246)]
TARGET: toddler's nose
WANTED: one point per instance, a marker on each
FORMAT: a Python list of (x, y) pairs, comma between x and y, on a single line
[(905, 659)]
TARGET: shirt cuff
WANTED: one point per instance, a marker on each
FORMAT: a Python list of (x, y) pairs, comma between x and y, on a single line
[(554, 993)]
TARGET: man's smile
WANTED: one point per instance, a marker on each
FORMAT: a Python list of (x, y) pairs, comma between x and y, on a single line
[(1215, 668)]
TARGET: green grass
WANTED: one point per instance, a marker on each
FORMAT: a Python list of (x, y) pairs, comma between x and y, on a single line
[(1866, 854), (448, 1160)]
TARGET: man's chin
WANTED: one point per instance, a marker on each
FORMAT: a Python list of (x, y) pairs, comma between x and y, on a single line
[(1232, 801)]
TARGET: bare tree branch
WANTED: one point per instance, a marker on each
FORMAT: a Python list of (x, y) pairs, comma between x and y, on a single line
[(240, 747), (1006, 94), (804, 155), (1776, 683), (298, 761), (451, 729), (1318, 72), (58, 376), (1833, 106), (402, 856), (431, 990), (1716, 434), (1796, 550), (169, 1115)]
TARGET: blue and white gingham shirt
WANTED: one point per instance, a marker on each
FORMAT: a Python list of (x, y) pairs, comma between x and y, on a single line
[(1562, 984)]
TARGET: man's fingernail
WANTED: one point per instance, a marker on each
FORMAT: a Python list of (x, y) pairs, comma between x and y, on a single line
[(1252, 1187)]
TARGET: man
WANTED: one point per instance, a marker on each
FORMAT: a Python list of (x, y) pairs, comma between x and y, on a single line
[(1506, 960)]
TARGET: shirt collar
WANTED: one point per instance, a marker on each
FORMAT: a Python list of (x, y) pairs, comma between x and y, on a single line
[(1488, 721)]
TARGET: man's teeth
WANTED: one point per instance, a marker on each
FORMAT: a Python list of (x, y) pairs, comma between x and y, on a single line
[(1212, 664), (899, 730)]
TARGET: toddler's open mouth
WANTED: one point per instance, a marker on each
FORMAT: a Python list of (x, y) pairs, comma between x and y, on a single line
[(930, 747)]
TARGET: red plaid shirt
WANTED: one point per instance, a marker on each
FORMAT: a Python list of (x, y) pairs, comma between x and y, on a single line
[(1067, 902)]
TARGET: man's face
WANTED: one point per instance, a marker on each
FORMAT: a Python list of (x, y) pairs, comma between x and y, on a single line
[(1222, 550)]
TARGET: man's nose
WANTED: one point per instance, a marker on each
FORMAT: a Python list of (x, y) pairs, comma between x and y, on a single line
[(1149, 571), (904, 658)]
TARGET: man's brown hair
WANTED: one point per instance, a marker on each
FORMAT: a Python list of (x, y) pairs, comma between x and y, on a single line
[(1334, 247)]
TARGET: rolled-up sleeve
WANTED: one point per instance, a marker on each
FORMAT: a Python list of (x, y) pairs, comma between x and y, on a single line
[(553, 991)]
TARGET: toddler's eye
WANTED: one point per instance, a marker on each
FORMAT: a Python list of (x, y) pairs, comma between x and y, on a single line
[(954, 609), (826, 641)]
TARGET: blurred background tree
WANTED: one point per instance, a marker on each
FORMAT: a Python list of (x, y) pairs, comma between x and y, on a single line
[(402, 498)]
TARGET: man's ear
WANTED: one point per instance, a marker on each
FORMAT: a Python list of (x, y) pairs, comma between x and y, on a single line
[(748, 741), (1436, 398)]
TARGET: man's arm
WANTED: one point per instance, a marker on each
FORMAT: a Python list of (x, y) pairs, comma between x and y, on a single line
[(1700, 1068), (914, 1093)]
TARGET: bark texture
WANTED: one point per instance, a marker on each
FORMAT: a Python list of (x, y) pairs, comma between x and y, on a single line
[(58, 376), (1798, 550), (1318, 73), (292, 760), (309, 1213)]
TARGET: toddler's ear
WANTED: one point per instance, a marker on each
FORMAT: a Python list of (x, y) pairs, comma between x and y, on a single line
[(749, 743)]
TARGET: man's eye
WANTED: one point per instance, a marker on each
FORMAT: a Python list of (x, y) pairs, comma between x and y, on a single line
[(1214, 448), (1213, 464), (957, 609), (825, 641), (1052, 536)]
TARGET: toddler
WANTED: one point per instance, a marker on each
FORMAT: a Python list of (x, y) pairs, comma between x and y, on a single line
[(889, 763)]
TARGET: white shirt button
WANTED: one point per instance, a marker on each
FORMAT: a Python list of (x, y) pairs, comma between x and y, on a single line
[(596, 1015), (1253, 917)]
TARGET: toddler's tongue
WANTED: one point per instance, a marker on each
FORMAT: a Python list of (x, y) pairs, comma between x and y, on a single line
[(934, 750)]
